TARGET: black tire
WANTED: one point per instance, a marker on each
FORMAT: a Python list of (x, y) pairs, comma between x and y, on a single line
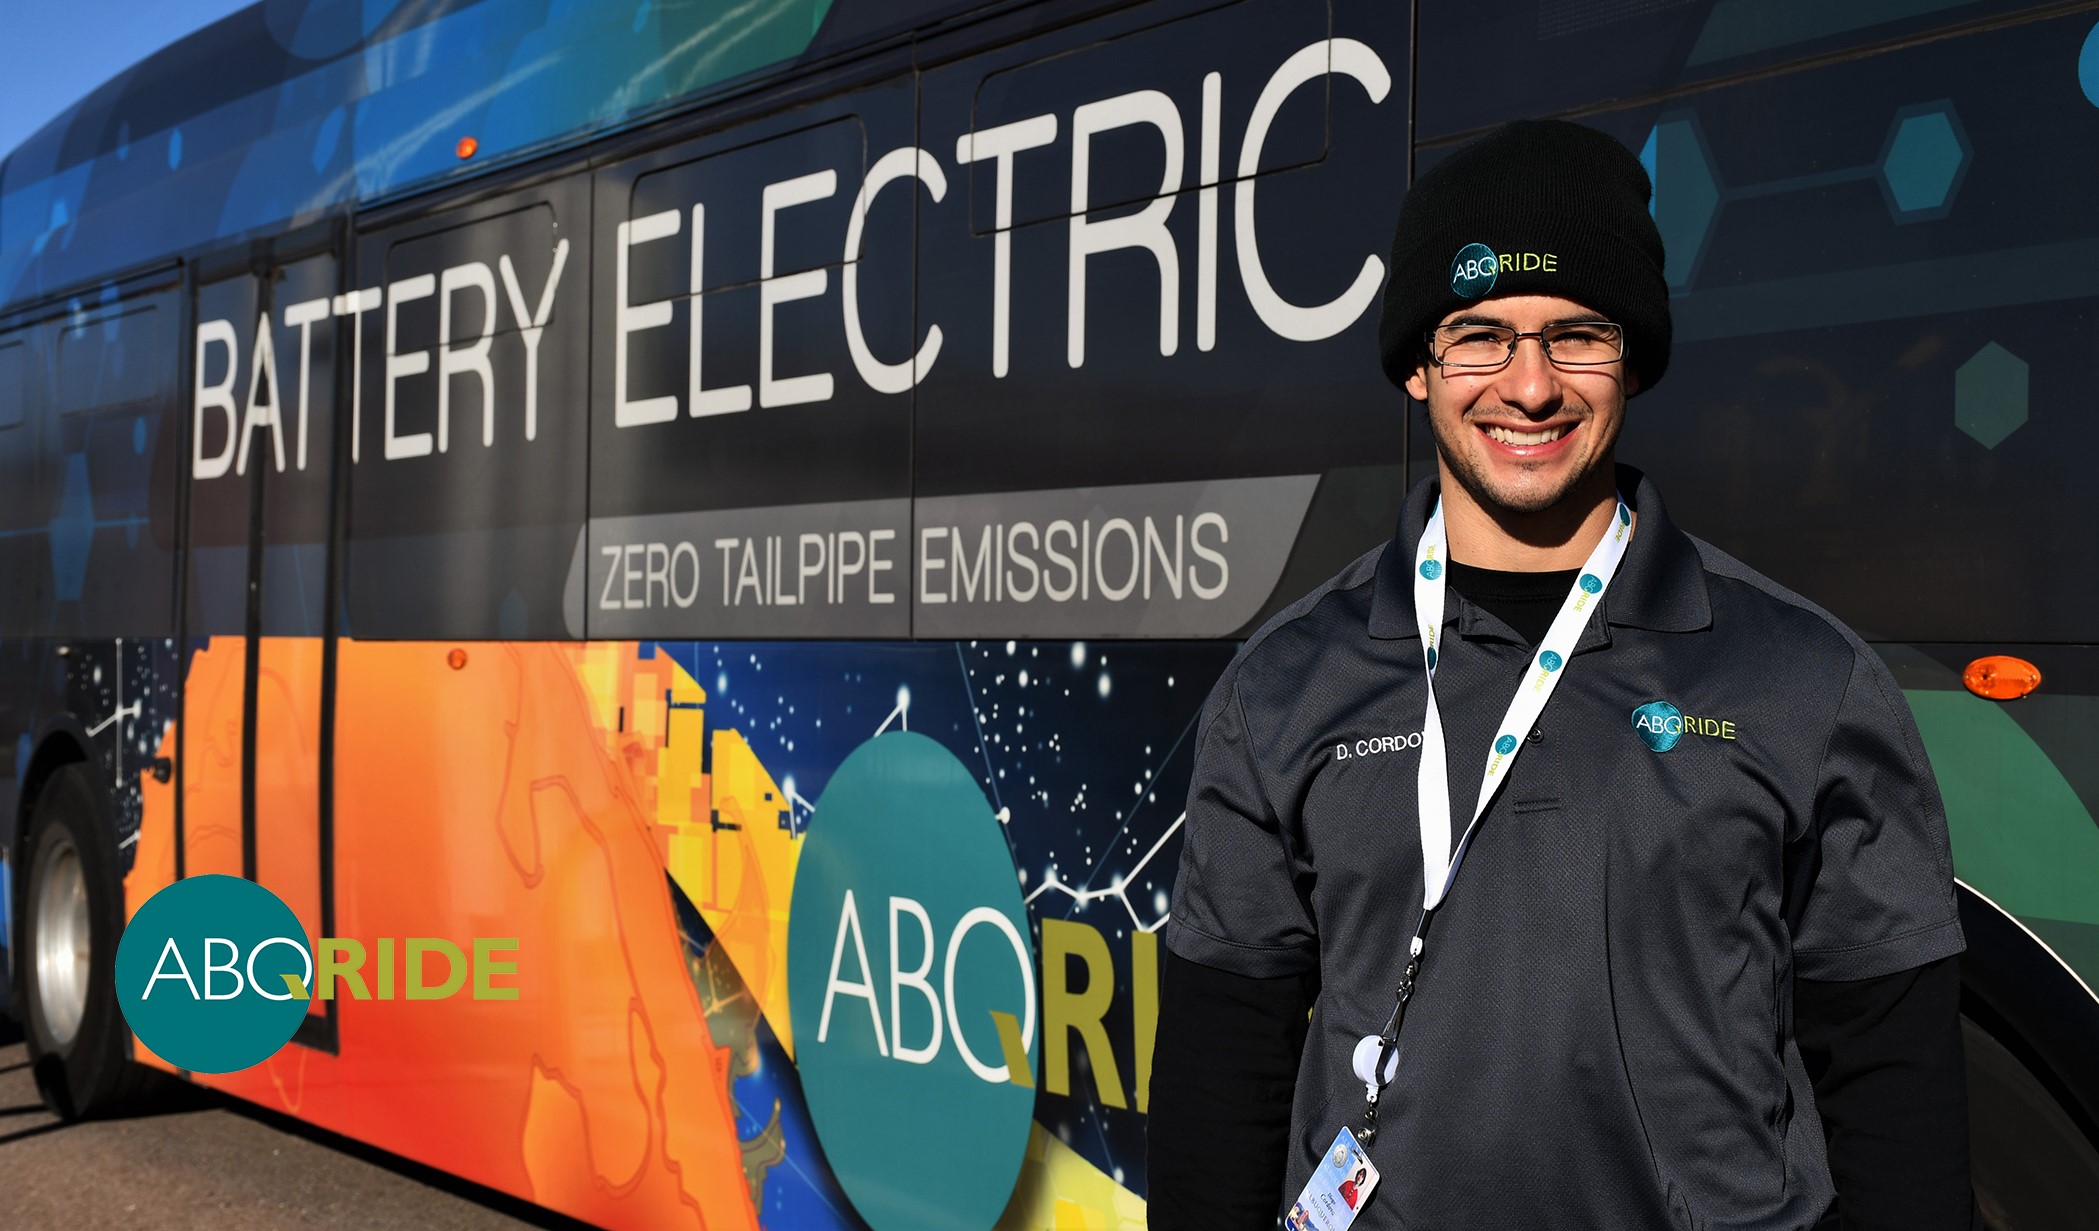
[(2034, 1169), (79, 1044)]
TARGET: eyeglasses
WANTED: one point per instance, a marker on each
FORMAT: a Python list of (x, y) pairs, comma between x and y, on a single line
[(1571, 344)]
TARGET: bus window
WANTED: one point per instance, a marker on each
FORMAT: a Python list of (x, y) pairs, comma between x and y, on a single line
[(108, 468), (110, 360), (13, 384), (468, 417), (22, 549), (755, 352)]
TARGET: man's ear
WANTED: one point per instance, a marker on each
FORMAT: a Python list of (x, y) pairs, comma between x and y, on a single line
[(1632, 383), (1417, 382)]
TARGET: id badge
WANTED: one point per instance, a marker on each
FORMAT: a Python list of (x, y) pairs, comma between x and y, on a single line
[(1339, 1186)]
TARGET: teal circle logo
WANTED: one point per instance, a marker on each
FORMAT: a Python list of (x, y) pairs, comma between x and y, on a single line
[(1505, 745), (1431, 570), (1625, 516), (1473, 271), (1550, 661), (1432, 658), (202, 974), (907, 940), (1659, 725), (1591, 584)]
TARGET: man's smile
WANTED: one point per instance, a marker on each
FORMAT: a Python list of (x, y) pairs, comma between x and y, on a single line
[(1530, 441)]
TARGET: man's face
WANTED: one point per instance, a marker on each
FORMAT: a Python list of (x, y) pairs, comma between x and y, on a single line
[(1523, 436)]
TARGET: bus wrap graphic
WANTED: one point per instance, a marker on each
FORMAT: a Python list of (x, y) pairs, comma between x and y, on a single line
[(212, 974), (912, 989)]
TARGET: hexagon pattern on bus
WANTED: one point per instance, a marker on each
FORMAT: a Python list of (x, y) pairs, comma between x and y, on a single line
[(1926, 156), (1989, 395), (1686, 193)]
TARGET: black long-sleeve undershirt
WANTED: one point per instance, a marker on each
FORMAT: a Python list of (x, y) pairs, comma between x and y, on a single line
[(1884, 1054), (1223, 1072), (1890, 1078)]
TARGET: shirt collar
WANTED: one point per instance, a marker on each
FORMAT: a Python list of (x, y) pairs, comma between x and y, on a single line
[(1660, 584)]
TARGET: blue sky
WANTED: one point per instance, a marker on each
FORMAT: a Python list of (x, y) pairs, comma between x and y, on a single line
[(53, 52)]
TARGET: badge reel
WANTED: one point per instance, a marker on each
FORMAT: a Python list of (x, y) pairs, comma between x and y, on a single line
[(1366, 1060)]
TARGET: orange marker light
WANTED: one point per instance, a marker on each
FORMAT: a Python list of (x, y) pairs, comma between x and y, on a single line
[(2000, 677), (467, 146), (457, 659)]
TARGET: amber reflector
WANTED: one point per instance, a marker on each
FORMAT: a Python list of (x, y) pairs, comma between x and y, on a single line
[(2000, 677), (467, 146), (457, 658)]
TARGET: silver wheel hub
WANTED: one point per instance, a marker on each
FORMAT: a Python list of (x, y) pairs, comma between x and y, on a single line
[(60, 925)]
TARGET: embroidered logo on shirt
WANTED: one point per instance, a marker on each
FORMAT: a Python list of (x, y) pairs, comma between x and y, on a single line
[(1660, 725)]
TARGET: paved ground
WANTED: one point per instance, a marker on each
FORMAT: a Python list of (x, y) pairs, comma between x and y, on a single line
[(218, 1165)]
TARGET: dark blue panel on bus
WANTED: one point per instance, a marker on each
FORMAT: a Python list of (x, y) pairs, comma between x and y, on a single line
[(1885, 275)]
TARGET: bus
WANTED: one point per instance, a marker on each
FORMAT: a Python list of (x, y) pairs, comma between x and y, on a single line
[(430, 431)]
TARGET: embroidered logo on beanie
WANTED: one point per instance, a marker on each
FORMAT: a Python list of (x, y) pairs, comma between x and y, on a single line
[(1473, 271), (1476, 268)]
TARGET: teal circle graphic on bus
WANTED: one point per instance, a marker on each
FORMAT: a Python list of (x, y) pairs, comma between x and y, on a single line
[(1591, 584), (1505, 745), (1473, 271), (2088, 67), (1431, 570), (1549, 660), (906, 935), (1659, 725), (205, 974)]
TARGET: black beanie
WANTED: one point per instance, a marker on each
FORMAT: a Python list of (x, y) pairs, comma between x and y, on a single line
[(1538, 207)]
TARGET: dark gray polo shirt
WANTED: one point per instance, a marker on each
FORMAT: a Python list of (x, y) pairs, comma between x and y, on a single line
[(1601, 1035)]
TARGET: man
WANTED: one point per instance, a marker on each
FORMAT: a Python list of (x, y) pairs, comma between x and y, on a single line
[(1698, 969)]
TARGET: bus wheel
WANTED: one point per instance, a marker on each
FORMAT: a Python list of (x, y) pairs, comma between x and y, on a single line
[(2031, 1164), (79, 1046)]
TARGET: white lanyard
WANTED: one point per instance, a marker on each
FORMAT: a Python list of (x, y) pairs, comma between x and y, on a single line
[(1376, 1060), (1439, 867)]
